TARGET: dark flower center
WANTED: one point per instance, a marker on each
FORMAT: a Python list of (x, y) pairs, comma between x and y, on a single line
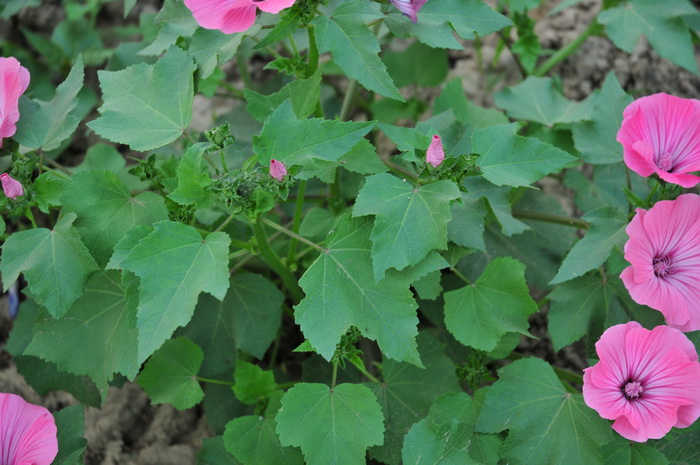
[(632, 390), (663, 266)]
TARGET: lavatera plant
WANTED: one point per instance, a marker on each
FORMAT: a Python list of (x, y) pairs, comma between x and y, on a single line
[(363, 268)]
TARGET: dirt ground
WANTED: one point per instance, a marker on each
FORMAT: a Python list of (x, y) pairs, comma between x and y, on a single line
[(128, 430)]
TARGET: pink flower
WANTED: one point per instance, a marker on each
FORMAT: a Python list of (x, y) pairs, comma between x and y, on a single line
[(435, 154), (664, 250), (409, 7), (230, 16), (647, 381), (661, 134), (27, 433), (14, 80), (277, 169), (10, 186)]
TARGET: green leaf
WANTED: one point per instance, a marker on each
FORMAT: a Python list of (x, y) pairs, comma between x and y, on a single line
[(498, 201), (107, 157), (363, 159), (175, 21), (175, 265), (597, 139), (407, 392), (341, 293), (170, 375), (211, 48), (499, 302), (247, 319), (104, 320), (466, 228), (253, 441), (44, 125), (454, 98), (354, 47), (253, 384), (147, 106), (332, 427), (48, 188), (438, 19), (513, 160), (536, 99), (303, 93), (193, 178), (213, 452), (546, 423), (681, 446), (622, 451), (56, 264), (661, 23), (70, 425), (418, 64), (604, 188), (106, 210), (299, 142), (410, 221), (291, 18), (606, 231)]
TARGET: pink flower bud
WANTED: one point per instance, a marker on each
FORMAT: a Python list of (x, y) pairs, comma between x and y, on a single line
[(435, 154), (10, 186), (14, 80), (277, 169)]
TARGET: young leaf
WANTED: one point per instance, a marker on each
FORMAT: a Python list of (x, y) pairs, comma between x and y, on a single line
[(410, 221), (253, 441), (48, 188), (170, 375), (546, 423), (103, 319), (341, 293), (303, 93), (106, 210), (44, 125), (331, 426), (147, 106), (175, 265), (607, 230), (253, 384), (193, 178), (536, 99), (661, 23), (298, 142), (498, 201), (56, 264), (211, 48), (497, 303), (513, 160), (597, 139), (354, 47)]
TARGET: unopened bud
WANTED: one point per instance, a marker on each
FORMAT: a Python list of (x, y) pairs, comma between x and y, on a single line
[(277, 169), (435, 154), (10, 186)]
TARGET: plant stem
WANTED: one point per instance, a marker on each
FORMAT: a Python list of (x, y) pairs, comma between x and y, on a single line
[(546, 217), (58, 166), (399, 170), (215, 381), (568, 375), (347, 100), (274, 261), (363, 370), (313, 53), (226, 222), (516, 58), (570, 48), (335, 376), (243, 69), (460, 275), (292, 234), (298, 212)]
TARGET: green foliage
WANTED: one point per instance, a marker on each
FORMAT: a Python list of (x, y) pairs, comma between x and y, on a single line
[(71, 443), (545, 423), (211, 48), (418, 64), (340, 293), (45, 125), (332, 426), (55, 263), (661, 23), (147, 106), (623, 452), (497, 303), (253, 384), (193, 178), (170, 374), (253, 441), (303, 93)]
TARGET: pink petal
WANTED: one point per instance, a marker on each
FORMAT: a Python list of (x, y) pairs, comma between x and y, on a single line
[(27, 432), (14, 80), (228, 16), (10, 186), (274, 6), (436, 153), (277, 169), (407, 7)]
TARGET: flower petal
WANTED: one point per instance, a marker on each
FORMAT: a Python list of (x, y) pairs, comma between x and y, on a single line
[(27, 432), (14, 80), (228, 16), (274, 6)]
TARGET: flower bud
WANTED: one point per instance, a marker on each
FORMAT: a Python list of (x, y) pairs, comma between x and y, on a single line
[(10, 186), (277, 169), (435, 154)]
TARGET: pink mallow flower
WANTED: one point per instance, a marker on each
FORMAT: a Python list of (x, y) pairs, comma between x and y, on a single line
[(661, 134), (409, 7), (664, 252), (231, 16), (27, 433), (277, 169), (436, 153), (14, 80), (647, 381), (10, 186)]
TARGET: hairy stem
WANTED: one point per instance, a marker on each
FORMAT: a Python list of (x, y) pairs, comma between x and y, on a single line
[(570, 48), (548, 218), (291, 234), (274, 261)]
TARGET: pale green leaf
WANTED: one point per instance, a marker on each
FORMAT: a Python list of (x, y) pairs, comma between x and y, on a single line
[(303, 93), (253, 384), (253, 441), (211, 48), (193, 178)]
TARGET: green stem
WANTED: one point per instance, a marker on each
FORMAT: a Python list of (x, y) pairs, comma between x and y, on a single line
[(291, 234), (399, 170), (298, 212), (347, 100), (215, 381), (313, 53), (274, 261), (460, 275), (506, 41), (58, 166), (241, 244), (363, 370), (30, 216), (235, 93), (225, 223), (335, 376), (548, 218), (570, 48), (243, 69), (567, 375), (41, 161)]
